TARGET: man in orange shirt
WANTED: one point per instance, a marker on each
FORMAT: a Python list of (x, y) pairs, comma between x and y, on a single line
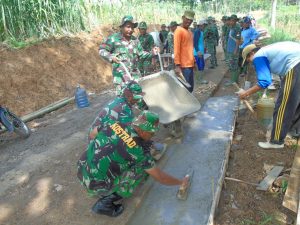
[(183, 49)]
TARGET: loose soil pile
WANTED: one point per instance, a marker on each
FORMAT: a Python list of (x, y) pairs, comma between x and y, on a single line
[(38, 75)]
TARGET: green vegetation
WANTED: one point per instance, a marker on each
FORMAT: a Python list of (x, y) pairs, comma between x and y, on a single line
[(287, 24), (23, 20), (264, 219)]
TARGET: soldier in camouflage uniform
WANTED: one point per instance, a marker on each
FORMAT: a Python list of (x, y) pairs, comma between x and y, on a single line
[(147, 42), (233, 43), (217, 36), (210, 39), (170, 38), (224, 33), (118, 160), (120, 109), (124, 47)]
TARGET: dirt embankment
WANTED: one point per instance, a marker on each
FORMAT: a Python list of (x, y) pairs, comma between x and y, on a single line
[(38, 75)]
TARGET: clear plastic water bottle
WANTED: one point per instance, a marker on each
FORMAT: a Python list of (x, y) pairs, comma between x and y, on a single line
[(81, 97)]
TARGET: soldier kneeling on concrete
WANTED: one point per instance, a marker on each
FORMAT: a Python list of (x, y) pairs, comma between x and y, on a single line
[(118, 160)]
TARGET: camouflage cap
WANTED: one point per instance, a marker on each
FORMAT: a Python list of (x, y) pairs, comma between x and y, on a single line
[(210, 18), (128, 18), (234, 17), (147, 121), (189, 14), (135, 89), (143, 25), (224, 17), (163, 25), (173, 24)]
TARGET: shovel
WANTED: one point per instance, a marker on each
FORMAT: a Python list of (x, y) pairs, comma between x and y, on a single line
[(126, 70)]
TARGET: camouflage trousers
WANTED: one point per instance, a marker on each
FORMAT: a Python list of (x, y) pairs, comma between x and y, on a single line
[(233, 60), (145, 67), (211, 49), (124, 185)]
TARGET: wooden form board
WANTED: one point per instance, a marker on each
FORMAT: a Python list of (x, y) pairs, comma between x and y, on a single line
[(291, 197), (270, 178)]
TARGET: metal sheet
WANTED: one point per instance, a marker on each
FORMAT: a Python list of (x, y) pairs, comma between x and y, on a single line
[(166, 96)]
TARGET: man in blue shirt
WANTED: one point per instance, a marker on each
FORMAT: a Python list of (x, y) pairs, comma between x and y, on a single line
[(283, 59), (249, 35), (199, 49)]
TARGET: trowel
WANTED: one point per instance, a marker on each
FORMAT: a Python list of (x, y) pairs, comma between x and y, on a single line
[(183, 192)]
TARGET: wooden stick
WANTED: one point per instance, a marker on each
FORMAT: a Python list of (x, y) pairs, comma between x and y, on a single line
[(240, 181), (298, 212)]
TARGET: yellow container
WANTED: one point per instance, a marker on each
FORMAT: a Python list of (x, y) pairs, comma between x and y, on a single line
[(265, 108)]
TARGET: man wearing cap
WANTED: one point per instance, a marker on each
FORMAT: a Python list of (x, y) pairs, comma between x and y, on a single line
[(170, 38), (118, 160), (120, 109), (249, 35), (210, 39), (124, 47), (147, 43), (283, 59), (233, 49), (183, 49)]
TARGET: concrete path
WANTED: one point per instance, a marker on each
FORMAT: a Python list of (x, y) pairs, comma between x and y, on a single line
[(207, 137)]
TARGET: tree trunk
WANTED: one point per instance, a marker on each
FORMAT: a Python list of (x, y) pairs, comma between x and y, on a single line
[(273, 14)]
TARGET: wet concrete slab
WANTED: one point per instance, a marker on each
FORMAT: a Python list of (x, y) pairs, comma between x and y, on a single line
[(207, 136)]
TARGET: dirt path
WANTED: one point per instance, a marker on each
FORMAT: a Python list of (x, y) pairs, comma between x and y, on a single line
[(38, 175)]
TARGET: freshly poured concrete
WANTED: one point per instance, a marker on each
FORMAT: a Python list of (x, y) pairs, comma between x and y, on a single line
[(207, 136)]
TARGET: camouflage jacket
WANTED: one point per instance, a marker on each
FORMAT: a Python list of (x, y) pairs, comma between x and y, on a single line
[(171, 42), (210, 34), (117, 110), (147, 42), (129, 52), (224, 31), (117, 149), (216, 32)]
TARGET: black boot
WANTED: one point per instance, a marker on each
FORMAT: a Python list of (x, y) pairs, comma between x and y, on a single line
[(105, 205)]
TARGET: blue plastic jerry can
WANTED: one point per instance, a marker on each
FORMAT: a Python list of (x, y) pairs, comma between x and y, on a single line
[(81, 98)]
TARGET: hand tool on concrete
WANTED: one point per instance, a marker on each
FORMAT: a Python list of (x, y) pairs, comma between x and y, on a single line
[(126, 70), (183, 191), (247, 104)]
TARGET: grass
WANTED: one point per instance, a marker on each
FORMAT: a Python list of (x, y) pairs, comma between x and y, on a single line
[(287, 24), (264, 219), (21, 20)]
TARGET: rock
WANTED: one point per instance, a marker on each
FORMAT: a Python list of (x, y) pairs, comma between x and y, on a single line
[(58, 187), (238, 137), (233, 205), (268, 167), (257, 197), (56, 162)]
